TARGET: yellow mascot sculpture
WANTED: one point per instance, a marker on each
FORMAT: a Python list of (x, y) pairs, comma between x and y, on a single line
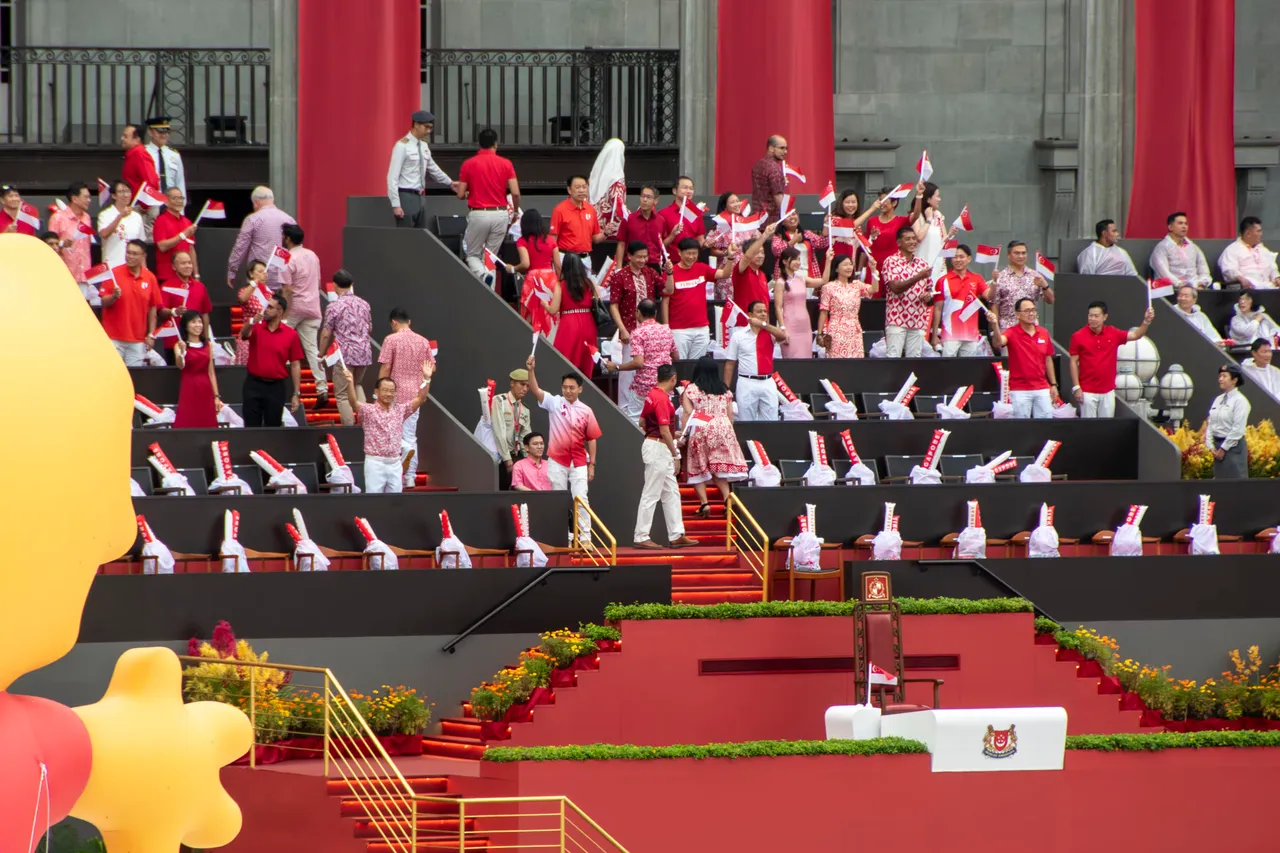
[(139, 764)]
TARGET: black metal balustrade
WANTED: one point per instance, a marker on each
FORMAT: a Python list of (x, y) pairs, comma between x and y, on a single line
[(83, 96), (554, 97)]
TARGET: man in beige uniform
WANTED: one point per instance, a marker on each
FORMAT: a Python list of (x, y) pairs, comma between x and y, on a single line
[(411, 163)]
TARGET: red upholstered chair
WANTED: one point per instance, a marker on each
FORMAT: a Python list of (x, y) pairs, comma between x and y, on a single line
[(789, 574), (1262, 541), (877, 638)]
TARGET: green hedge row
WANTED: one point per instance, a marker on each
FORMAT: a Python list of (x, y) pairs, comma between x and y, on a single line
[(758, 610)]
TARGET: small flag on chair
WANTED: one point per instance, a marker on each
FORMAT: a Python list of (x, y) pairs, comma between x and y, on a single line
[(876, 675)]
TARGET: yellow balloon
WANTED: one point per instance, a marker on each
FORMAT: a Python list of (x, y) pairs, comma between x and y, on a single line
[(64, 451)]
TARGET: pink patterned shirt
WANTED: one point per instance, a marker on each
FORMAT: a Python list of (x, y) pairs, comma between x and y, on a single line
[(907, 309), (406, 351), (350, 320), (66, 225), (654, 341), (383, 427)]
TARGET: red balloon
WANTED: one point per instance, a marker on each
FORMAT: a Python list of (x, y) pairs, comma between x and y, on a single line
[(33, 732)]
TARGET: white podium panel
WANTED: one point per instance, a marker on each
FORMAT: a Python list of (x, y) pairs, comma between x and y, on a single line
[(852, 722), (984, 739)]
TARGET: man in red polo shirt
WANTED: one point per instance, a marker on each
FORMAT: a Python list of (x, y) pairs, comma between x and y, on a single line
[(646, 226), (750, 284), (138, 167), (661, 465), (1093, 361), (957, 296), (484, 181), (682, 223), (275, 353), (173, 231), (684, 303), (575, 228), (1033, 385), (129, 312)]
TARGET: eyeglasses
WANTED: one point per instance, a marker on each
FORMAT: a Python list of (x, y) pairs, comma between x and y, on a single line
[(1026, 311)]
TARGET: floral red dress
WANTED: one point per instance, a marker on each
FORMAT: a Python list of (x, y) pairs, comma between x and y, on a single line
[(713, 449), (842, 302)]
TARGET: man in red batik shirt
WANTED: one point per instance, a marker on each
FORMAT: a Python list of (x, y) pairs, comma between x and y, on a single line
[(768, 183)]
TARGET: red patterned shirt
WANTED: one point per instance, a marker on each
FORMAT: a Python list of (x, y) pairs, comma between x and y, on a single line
[(655, 342), (627, 289), (349, 319), (383, 427), (406, 351), (908, 309)]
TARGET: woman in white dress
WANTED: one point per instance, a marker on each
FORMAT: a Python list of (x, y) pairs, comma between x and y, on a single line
[(930, 226)]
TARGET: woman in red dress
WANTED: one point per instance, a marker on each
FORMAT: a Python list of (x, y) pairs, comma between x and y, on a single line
[(252, 304), (197, 396), (571, 302), (713, 453), (535, 251)]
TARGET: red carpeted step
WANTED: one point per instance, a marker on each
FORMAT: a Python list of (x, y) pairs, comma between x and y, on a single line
[(448, 746), (403, 828), (705, 529), (419, 784), (693, 580), (434, 845), (465, 727), (714, 596), (355, 807)]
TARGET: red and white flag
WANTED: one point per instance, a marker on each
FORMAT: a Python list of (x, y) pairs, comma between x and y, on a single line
[(901, 191), (28, 214), (168, 329), (490, 260), (593, 351), (963, 222), (334, 355), (1159, 287), (104, 193), (330, 291), (690, 212), (876, 675), (1045, 267), (84, 231), (949, 248), (101, 276), (842, 228), (828, 195), (924, 167), (60, 204), (786, 208), (212, 210), (279, 257), (147, 197), (729, 321), (789, 171), (987, 254)]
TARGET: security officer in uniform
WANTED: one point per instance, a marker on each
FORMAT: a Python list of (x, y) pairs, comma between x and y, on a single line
[(411, 164), (168, 165)]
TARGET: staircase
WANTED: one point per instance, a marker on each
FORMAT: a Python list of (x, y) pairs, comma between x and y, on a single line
[(437, 822)]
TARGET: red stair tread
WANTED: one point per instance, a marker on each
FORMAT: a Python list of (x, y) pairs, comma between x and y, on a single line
[(442, 845), (355, 807), (715, 596), (433, 827), (419, 784)]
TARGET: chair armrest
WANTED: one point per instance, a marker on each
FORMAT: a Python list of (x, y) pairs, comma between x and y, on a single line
[(284, 489), (161, 491), (227, 490), (336, 488)]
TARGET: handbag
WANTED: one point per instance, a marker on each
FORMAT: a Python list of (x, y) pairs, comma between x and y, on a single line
[(604, 320)]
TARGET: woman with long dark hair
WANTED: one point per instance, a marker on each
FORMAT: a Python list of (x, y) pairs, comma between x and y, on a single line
[(198, 393), (930, 226), (571, 301), (839, 326), (791, 302), (713, 452), (535, 249), (789, 235)]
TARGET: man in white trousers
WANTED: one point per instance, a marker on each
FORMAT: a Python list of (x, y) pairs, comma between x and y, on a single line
[(383, 425), (1093, 353), (571, 448), (661, 465), (751, 354)]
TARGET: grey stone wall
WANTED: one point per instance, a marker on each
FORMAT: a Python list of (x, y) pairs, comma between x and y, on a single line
[(1258, 88), (549, 24), (148, 23)]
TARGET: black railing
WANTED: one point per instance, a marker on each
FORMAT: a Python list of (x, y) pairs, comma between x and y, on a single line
[(83, 96), (540, 580), (554, 97)]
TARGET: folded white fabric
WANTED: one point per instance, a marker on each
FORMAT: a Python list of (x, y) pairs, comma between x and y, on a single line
[(947, 412), (1127, 541), (862, 474), (1204, 539), (1035, 474), (921, 476)]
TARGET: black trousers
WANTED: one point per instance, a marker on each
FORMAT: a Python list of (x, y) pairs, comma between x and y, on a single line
[(264, 401)]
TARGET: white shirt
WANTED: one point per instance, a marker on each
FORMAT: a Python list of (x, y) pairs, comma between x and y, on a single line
[(173, 174), (1198, 319), (1183, 264), (128, 228), (409, 158), (742, 349), (1267, 378), (1227, 418), (1241, 263), (1097, 259)]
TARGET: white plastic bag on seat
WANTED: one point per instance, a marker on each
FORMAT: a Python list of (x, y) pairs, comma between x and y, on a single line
[(795, 410), (979, 474), (1035, 474), (820, 475), (765, 476), (896, 411), (230, 417), (806, 552), (1066, 410), (381, 557), (1002, 411), (135, 491), (860, 473), (1204, 539), (1043, 542), (526, 543), (843, 411), (887, 545), (164, 557), (1127, 541), (948, 412), (921, 476), (971, 543)]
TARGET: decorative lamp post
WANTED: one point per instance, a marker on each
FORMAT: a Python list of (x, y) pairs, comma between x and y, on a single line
[(1140, 357), (1175, 389)]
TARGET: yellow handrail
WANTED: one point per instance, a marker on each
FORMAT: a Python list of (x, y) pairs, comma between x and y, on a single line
[(606, 556), (741, 527), (388, 800)]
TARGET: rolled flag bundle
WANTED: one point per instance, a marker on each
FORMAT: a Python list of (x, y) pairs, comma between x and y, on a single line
[(953, 409), (972, 541), (1044, 539), (820, 472), (484, 427), (170, 477), (381, 557), (231, 553), (527, 550), (1204, 533), (763, 473), (153, 413), (339, 473), (1038, 471), (983, 474), (1127, 541), (451, 547), (153, 547), (1003, 407), (806, 546), (898, 409), (839, 405), (226, 472), (792, 408), (887, 544), (230, 417), (858, 469), (304, 546), (278, 474), (926, 473)]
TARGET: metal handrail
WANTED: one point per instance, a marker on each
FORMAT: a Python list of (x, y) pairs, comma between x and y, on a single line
[(588, 546), (735, 534), (450, 646)]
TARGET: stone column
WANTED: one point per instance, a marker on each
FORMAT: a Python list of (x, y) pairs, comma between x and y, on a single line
[(283, 152), (698, 91), (1104, 121)]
